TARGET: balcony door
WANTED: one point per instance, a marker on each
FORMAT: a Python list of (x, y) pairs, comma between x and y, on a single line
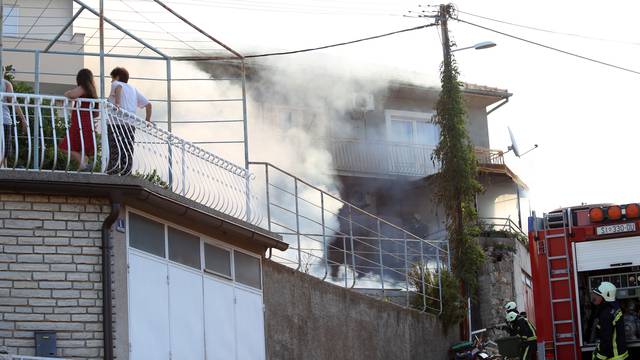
[(412, 139)]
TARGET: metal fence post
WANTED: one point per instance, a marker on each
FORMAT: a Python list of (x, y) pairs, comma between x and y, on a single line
[(295, 191), (381, 261), (266, 175), (104, 139), (439, 278), (353, 249), (346, 266), (245, 123), (423, 267), (406, 266), (324, 237), (36, 73), (36, 114), (170, 142), (183, 168)]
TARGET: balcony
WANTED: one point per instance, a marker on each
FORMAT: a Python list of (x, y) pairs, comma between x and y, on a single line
[(383, 159), (46, 135)]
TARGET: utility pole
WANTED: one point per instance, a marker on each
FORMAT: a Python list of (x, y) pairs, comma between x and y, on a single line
[(443, 17), (447, 69)]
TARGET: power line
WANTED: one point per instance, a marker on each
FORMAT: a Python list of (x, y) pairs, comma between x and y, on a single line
[(549, 31), (551, 47), (339, 44)]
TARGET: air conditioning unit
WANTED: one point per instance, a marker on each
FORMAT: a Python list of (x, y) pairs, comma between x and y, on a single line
[(363, 102)]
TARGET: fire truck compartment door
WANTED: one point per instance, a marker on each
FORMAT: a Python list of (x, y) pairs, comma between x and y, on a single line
[(608, 254)]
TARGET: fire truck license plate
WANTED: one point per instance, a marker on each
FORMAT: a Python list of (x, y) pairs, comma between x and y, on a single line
[(614, 229)]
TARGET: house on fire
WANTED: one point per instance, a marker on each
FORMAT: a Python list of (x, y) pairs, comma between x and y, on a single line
[(380, 142)]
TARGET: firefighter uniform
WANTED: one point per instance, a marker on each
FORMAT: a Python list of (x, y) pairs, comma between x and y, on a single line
[(610, 330), (525, 330)]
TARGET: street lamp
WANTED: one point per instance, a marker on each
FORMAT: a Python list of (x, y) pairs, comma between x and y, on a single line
[(478, 46)]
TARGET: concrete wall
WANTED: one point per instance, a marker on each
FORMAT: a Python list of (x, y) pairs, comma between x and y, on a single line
[(306, 318), (50, 272)]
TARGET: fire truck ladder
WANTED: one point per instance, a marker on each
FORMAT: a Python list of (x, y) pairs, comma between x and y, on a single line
[(559, 271)]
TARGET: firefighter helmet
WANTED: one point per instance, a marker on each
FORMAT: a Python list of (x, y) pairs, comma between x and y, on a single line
[(511, 306), (511, 316), (607, 290)]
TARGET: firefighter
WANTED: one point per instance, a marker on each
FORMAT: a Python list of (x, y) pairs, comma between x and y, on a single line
[(511, 306), (610, 327), (520, 326)]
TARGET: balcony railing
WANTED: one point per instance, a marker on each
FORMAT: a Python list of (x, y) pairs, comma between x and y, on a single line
[(395, 159), (49, 133), (347, 246)]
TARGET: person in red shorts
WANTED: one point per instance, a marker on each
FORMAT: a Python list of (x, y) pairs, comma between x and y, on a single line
[(80, 142)]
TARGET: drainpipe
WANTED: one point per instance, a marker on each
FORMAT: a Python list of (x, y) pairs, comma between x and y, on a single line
[(107, 309)]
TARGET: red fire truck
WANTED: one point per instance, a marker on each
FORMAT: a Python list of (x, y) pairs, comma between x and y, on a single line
[(572, 250)]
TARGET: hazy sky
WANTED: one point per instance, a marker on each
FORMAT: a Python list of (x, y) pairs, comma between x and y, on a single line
[(583, 115)]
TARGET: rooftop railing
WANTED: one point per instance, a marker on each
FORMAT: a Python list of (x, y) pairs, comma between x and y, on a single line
[(55, 134)]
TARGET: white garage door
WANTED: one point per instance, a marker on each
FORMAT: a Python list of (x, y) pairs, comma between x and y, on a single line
[(191, 298), (219, 315), (148, 308), (250, 326), (606, 254), (185, 308)]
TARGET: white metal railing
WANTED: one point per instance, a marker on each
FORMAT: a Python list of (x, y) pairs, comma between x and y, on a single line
[(51, 133), (394, 158), (340, 243), (382, 158)]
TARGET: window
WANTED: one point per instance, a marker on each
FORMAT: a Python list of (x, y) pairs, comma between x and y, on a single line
[(247, 270), (411, 127), (10, 17), (427, 133), (146, 235), (401, 130), (184, 248), (217, 260)]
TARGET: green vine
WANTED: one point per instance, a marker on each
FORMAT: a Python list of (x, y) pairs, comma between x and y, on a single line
[(456, 183)]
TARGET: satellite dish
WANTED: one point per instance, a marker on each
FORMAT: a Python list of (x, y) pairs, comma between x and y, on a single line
[(514, 145)]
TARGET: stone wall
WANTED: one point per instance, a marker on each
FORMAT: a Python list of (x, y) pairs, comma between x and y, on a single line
[(50, 266), (495, 284), (306, 318)]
